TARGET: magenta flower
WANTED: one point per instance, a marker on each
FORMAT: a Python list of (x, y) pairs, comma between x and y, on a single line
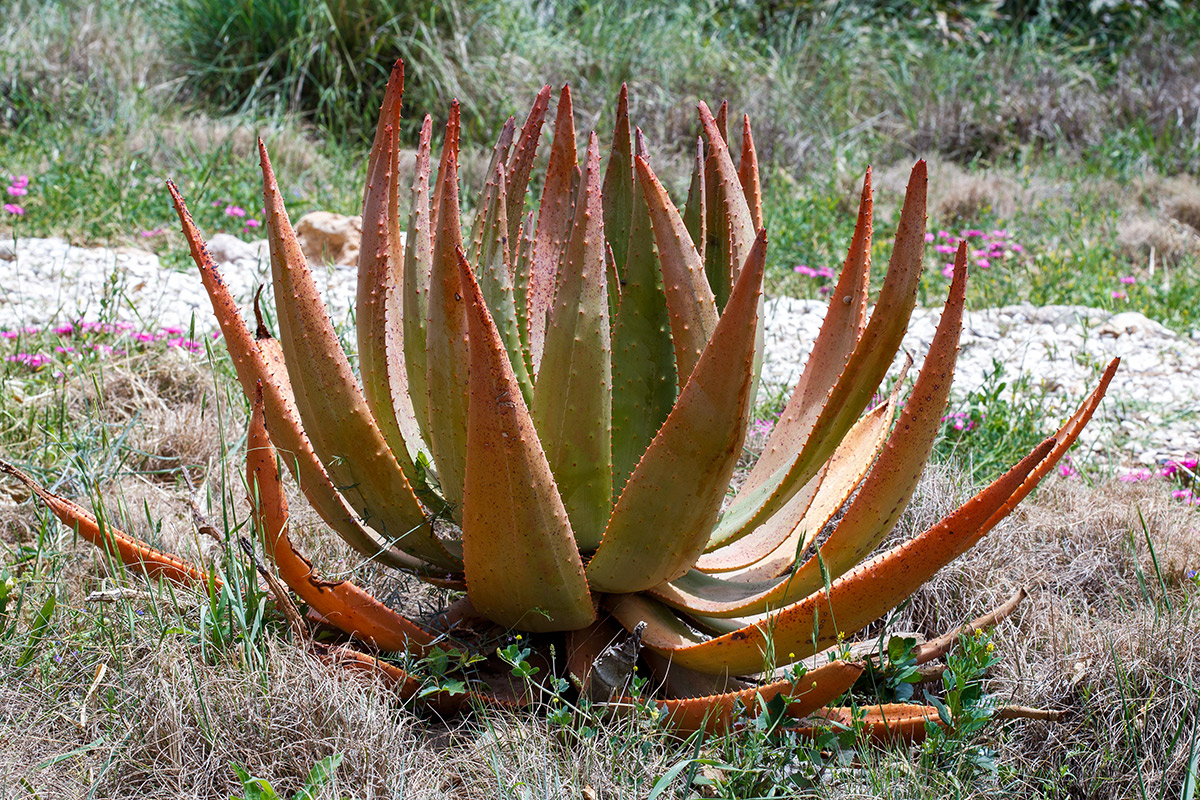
[(155, 232), (17, 191), (14, 209), (948, 270), (929, 236), (252, 223), (983, 263), (1118, 295), (973, 233), (235, 211), (944, 249), (1128, 279)]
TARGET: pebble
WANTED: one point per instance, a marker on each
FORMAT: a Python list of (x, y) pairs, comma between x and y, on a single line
[(1152, 412)]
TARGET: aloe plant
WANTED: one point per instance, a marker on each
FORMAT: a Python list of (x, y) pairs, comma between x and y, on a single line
[(551, 405)]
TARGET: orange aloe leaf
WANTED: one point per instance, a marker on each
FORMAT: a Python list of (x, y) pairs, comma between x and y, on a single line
[(883, 724), (865, 369), (446, 330), (553, 226), (748, 175), (882, 498), (692, 309), (484, 215), (793, 527), (343, 604), (331, 404), (129, 550), (854, 600), (517, 178), (661, 521), (731, 229), (522, 566), (572, 403), (418, 265), (262, 360), (840, 332), (808, 693), (379, 327)]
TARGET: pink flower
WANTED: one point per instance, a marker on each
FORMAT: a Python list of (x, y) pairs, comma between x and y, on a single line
[(824, 289), (948, 270), (1067, 471), (999, 234), (1016, 248), (14, 209), (64, 330), (971, 234), (63, 349), (155, 232), (1116, 295), (806, 270), (943, 248), (1137, 476), (20, 181), (17, 191), (983, 263), (929, 236), (1128, 279), (235, 211), (252, 223), (173, 331), (946, 235), (824, 272)]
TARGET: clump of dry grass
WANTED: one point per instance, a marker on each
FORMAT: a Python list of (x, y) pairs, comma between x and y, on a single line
[(1096, 627)]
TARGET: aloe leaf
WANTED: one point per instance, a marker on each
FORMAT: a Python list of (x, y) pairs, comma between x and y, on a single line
[(618, 186), (446, 330), (336, 417), (880, 500), (748, 175), (418, 265), (733, 228), (643, 362), (859, 379), (495, 280), (790, 530), (857, 599), (498, 162), (521, 163), (341, 603), (553, 226), (262, 360), (691, 306), (380, 323), (572, 406), (661, 521), (840, 331), (695, 212), (522, 565)]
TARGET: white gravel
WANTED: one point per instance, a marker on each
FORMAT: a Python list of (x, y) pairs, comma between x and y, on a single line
[(1154, 402)]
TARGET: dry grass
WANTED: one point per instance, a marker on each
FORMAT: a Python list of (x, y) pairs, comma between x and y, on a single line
[(1088, 633), (167, 723)]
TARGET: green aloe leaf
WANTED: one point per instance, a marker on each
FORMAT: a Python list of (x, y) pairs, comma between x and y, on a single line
[(662, 520), (572, 405)]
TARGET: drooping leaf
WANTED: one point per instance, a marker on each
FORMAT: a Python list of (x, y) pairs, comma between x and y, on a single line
[(341, 603), (336, 417)]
